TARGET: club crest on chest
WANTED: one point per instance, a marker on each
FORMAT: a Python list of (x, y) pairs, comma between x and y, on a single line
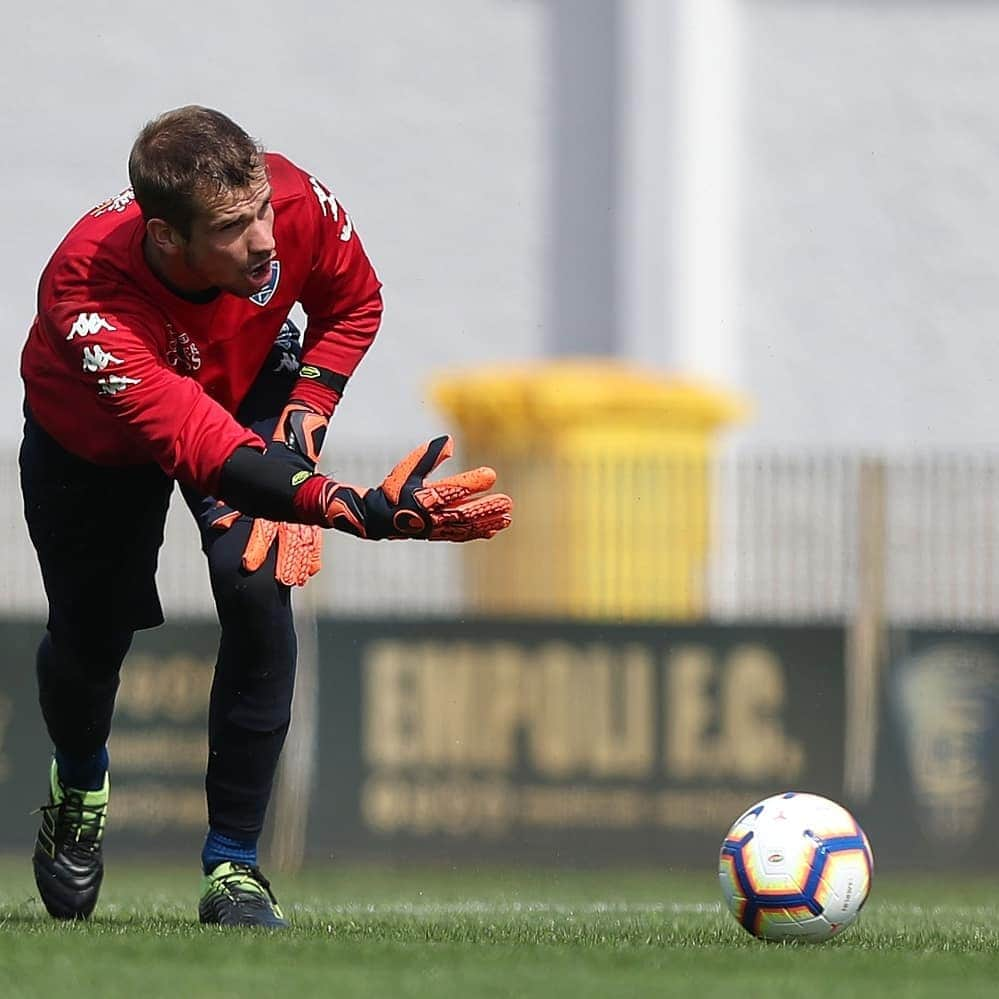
[(266, 293), (182, 352)]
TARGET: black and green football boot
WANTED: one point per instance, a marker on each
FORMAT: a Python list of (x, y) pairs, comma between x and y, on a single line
[(68, 863), (235, 894)]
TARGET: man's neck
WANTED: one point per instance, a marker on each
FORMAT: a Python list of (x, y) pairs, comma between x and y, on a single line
[(158, 264)]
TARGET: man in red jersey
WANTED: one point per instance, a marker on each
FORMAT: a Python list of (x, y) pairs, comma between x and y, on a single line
[(161, 351)]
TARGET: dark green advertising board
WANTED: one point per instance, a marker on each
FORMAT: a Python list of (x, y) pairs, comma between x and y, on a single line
[(550, 741), (556, 741), (936, 792), (539, 741)]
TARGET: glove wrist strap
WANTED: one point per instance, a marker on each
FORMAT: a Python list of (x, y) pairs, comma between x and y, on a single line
[(317, 501), (301, 429)]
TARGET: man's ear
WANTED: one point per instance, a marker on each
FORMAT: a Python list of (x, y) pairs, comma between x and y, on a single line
[(164, 236)]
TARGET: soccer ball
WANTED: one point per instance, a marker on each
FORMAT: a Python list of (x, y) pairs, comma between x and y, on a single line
[(795, 866)]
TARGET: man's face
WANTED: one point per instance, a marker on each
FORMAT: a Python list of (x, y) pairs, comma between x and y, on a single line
[(232, 240)]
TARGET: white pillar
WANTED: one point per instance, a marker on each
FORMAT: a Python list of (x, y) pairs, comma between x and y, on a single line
[(705, 231), (678, 165)]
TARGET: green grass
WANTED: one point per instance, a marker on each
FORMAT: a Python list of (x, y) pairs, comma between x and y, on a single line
[(440, 932)]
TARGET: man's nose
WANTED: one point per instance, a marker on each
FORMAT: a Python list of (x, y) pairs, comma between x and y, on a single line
[(261, 237)]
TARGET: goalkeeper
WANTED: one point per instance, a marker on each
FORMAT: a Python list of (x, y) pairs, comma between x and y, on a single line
[(161, 352)]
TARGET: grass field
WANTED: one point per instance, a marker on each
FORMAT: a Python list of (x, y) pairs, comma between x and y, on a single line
[(440, 932)]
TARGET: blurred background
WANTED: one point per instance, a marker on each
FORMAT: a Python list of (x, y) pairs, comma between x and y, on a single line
[(710, 283)]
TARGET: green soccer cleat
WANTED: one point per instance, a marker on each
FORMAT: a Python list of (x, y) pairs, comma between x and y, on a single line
[(236, 894), (68, 863)]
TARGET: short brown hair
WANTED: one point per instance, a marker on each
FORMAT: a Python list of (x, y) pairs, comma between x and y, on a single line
[(184, 158)]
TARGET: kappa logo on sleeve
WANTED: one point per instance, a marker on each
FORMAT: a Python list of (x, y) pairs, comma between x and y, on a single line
[(326, 200), (96, 358), (114, 384), (89, 324), (118, 203), (287, 349), (287, 361), (330, 208)]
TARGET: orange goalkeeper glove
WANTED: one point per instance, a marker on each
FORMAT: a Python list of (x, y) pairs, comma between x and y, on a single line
[(301, 429), (406, 506), (299, 546)]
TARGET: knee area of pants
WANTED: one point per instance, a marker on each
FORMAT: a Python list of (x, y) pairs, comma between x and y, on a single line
[(249, 591), (90, 652), (265, 728)]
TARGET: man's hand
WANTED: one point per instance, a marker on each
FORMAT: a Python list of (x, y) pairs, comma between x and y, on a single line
[(299, 546), (406, 506), (298, 434)]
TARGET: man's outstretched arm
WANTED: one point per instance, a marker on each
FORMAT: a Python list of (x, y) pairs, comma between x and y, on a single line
[(405, 505)]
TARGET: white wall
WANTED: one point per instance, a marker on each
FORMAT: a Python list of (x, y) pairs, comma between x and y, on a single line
[(866, 177), (424, 118), (870, 222)]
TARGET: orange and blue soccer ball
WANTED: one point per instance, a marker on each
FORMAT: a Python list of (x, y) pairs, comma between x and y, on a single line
[(796, 866)]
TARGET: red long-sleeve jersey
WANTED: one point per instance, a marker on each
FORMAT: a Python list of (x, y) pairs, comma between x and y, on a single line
[(120, 370)]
